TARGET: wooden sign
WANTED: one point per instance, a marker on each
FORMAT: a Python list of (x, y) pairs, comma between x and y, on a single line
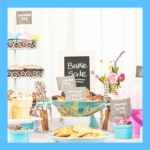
[(66, 82), (79, 66), (119, 108), (78, 93), (23, 17), (139, 71)]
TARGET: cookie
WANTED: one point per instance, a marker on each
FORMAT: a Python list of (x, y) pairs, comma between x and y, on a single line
[(101, 132), (67, 128), (60, 131), (88, 135), (64, 134), (82, 128), (80, 134), (94, 134)]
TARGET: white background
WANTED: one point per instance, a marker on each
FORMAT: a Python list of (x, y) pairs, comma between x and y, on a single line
[(107, 31)]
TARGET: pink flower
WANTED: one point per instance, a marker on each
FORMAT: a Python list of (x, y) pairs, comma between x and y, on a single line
[(121, 77), (112, 77)]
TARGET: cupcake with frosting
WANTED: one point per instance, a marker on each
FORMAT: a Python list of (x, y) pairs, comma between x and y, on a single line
[(25, 40), (35, 39), (11, 40), (16, 71), (33, 70)]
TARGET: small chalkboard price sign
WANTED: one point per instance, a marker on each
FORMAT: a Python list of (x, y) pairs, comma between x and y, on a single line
[(139, 71), (79, 66), (78, 93), (23, 17), (66, 82), (120, 107)]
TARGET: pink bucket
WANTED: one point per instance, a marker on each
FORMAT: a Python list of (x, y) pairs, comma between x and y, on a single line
[(137, 120)]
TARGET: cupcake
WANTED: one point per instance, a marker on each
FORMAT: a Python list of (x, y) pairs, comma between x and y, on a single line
[(35, 39), (11, 40), (16, 71), (33, 70), (18, 45), (25, 40)]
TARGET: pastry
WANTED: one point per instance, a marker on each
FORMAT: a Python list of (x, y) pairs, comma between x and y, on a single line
[(11, 40), (34, 40), (25, 40), (54, 97), (82, 128), (33, 70), (64, 134), (80, 134), (79, 131), (100, 132), (87, 92), (60, 98), (16, 71), (63, 93), (89, 98), (88, 135)]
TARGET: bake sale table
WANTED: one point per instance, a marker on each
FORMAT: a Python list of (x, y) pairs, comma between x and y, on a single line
[(42, 138)]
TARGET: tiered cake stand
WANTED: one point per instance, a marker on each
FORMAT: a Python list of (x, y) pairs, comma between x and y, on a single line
[(81, 106)]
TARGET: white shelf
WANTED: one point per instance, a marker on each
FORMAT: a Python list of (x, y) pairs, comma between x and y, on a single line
[(26, 45), (25, 77), (18, 121), (26, 74)]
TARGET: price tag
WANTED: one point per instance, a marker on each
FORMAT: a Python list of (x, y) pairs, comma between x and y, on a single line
[(78, 93)]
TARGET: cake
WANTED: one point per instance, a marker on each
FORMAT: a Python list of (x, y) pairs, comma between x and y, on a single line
[(16, 71), (33, 70)]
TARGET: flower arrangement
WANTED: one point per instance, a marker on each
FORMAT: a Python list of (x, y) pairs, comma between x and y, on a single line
[(113, 77)]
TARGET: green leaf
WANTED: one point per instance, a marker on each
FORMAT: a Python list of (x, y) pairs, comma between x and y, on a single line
[(116, 69)]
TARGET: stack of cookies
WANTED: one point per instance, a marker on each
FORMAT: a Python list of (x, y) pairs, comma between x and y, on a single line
[(78, 131)]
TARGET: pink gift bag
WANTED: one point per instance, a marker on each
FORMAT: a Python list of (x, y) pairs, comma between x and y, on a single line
[(137, 120)]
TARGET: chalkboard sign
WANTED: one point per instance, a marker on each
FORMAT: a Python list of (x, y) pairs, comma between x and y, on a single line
[(66, 82), (23, 17), (119, 108), (139, 71), (79, 66), (78, 93)]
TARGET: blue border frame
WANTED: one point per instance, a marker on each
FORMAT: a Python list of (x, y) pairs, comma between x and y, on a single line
[(76, 3)]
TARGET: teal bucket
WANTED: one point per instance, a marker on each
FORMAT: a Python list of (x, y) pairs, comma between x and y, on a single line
[(122, 131), (19, 136), (30, 125)]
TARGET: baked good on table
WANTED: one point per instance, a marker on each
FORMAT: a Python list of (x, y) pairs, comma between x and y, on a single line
[(22, 40), (78, 131), (11, 40), (25, 40), (33, 70), (34, 40), (60, 98), (16, 71), (90, 96), (63, 93)]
